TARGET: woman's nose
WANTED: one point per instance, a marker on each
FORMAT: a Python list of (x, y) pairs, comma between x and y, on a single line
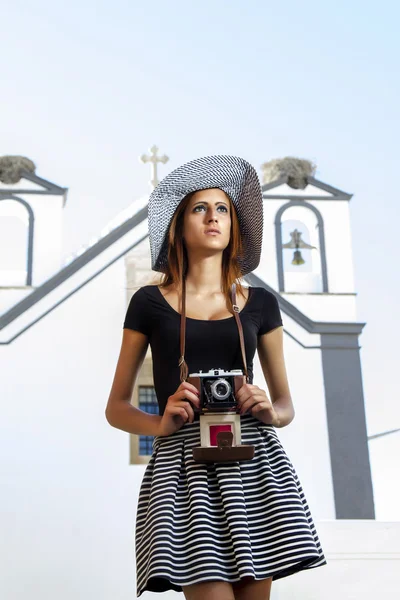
[(212, 216)]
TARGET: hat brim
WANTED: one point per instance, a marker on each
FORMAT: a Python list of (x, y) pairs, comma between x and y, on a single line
[(232, 174)]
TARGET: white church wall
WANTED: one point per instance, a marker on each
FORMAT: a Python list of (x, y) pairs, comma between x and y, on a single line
[(335, 308), (48, 236), (68, 493), (138, 268), (338, 244), (23, 183), (11, 295), (14, 219), (267, 268), (363, 561), (384, 453), (305, 439), (310, 190)]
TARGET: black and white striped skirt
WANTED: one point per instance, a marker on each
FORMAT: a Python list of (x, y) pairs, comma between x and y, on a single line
[(221, 521)]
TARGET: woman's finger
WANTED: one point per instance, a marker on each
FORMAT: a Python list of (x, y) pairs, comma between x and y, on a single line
[(187, 408), (182, 394), (253, 399)]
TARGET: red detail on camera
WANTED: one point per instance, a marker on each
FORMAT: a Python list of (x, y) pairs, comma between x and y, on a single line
[(215, 429)]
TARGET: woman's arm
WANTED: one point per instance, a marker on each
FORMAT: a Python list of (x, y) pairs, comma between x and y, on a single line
[(119, 411), (270, 352)]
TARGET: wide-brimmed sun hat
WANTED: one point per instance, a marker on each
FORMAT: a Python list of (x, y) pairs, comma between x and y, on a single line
[(232, 174)]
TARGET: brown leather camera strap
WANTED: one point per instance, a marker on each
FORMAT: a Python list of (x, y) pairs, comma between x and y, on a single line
[(184, 371), (240, 328), (182, 363)]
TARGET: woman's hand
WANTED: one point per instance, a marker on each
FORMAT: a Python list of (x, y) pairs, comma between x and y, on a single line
[(178, 410), (253, 399)]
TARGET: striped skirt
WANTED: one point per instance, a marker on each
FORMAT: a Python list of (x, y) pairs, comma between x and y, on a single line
[(221, 521)]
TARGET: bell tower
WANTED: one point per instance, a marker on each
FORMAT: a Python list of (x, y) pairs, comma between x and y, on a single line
[(307, 232), (31, 219)]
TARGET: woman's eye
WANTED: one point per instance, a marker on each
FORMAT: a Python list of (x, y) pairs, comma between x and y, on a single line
[(203, 206)]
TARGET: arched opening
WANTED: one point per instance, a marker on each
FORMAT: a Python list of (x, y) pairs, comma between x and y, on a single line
[(300, 269)]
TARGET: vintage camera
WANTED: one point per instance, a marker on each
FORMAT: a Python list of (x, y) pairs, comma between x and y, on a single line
[(217, 389), (220, 428)]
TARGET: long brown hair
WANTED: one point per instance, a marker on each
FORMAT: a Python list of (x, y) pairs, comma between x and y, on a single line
[(177, 264)]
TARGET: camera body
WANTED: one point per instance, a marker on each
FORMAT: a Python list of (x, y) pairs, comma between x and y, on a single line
[(217, 389)]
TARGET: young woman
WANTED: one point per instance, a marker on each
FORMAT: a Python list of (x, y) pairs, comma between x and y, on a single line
[(223, 530)]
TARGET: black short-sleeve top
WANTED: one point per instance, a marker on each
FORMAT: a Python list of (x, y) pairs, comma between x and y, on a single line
[(209, 344)]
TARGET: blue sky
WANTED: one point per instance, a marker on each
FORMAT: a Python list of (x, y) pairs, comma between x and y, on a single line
[(89, 86)]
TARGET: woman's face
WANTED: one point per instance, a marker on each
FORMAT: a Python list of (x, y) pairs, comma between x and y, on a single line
[(207, 209)]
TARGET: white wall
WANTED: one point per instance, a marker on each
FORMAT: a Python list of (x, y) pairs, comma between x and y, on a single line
[(68, 497), (363, 562), (48, 236), (305, 439), (338, 244)]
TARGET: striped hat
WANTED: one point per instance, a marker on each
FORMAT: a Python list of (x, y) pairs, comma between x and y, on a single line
[(235, 176)]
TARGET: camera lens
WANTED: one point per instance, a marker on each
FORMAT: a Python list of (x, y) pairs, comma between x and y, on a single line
[(220, 389)]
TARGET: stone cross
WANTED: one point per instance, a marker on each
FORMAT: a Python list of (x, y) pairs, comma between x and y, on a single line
[(154, 160)]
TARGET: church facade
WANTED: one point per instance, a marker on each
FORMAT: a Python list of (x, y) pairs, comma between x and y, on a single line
[(72, 480)]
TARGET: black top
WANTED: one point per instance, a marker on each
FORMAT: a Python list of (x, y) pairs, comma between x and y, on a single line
[(209, 344)]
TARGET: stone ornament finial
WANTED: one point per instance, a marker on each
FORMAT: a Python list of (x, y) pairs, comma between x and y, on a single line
[(296, 169), (12, 167)]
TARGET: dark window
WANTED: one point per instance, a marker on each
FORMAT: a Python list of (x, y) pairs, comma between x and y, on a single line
[(148, 403)]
